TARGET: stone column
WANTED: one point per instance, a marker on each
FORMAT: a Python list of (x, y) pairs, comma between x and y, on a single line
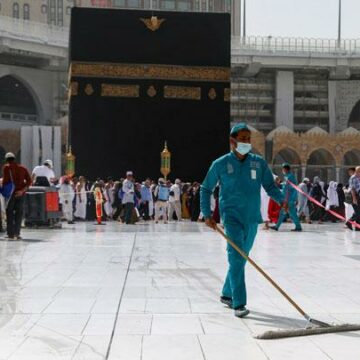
[(39, 143), (236, 18), (284, 108), (337, 169), (332, 106), (303, 172)]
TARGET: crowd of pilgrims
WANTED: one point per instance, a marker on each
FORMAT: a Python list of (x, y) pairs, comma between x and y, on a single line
[(128, 200), (333, 196)]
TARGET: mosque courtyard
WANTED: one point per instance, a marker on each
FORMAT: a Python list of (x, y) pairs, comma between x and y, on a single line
[(151, 292)]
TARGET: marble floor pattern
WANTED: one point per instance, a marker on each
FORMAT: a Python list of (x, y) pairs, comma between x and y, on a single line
[(150, 292)]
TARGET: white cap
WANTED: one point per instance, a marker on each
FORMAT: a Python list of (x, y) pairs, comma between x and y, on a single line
[(177, 181), (49, 162), (9, 155), (129, 173), (306, 180), (161, 180)]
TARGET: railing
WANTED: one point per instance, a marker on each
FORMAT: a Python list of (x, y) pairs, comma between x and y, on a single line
[(59, 36), (273, 45), (34, 31)]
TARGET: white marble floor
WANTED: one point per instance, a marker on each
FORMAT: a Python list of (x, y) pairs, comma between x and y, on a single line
[(150, 292)]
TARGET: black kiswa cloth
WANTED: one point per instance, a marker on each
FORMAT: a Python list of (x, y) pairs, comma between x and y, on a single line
[(133, 88)]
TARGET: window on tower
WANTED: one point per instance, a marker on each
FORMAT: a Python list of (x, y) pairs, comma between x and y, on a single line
[(26, 12), (60, 12), (183, 5), (196, 6), (52, 15), (167, 4), (134, 3), (101, 3), (16, 11)]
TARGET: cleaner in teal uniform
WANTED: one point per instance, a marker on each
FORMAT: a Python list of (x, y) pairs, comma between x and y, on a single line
[(240, 175), (291, 197)]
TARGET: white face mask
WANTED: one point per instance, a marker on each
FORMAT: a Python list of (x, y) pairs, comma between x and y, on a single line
[(243, 148)]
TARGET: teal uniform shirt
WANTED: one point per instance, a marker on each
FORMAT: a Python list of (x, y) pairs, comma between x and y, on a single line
[(289, 192), (240, 184)]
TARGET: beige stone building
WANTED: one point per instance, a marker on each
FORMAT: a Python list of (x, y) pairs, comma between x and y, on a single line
[(55, 12), (301, 96)]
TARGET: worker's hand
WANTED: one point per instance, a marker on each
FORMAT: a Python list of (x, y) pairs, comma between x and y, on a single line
[(211, 223), (285, 206)]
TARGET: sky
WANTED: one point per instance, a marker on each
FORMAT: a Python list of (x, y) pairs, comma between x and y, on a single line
[(303, 18)]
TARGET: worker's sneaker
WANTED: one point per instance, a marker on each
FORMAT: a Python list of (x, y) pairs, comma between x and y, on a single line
[(241, 311), (226, 300), (18, 237), (297, 229), (273, 228)]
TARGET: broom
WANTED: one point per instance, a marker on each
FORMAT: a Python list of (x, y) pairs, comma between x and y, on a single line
[(319, 328)]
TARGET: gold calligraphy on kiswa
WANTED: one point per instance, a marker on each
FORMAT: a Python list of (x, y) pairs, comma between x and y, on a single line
[(149, 71), (114, 90), (133, 91), (182, 92)]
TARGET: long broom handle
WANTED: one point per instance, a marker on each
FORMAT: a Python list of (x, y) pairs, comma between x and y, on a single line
[(267, 277)]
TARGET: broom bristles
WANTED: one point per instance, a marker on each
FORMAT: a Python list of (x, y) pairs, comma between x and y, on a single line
[(280, 334)]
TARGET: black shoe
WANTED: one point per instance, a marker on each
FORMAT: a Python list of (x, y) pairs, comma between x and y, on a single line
[(273, 228), (241, 311), (349, 225), (71, 222), (226, 300), (297, 229)]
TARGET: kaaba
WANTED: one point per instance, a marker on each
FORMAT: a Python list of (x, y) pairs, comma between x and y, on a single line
[(140, 78)]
